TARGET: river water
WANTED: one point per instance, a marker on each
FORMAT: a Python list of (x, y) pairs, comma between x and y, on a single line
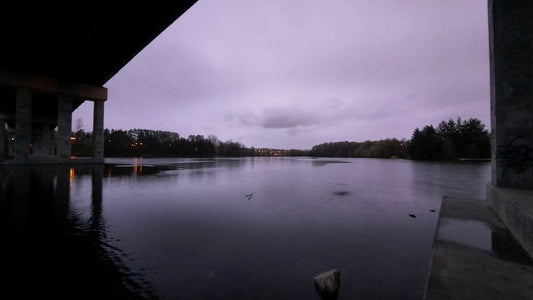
[(249, 228)]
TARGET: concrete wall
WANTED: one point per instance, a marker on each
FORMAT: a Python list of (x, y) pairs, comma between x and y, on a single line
[(510, 194), (511, 59), (3, 140)]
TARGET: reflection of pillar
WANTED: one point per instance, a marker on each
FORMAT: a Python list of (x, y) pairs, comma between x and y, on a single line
[(98, 131), (23, 123), (61, 192), (96, 203), (511, 33), (64, 126), (20, 181)]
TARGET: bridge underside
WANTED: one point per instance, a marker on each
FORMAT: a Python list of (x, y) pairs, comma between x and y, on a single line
[(55, 56), (36, 117)]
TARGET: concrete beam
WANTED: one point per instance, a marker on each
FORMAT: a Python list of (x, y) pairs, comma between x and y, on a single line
[(51, 85), (35, 119)]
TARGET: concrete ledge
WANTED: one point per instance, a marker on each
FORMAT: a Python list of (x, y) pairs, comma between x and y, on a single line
[(515, 209), (460, 272), (475, 256)]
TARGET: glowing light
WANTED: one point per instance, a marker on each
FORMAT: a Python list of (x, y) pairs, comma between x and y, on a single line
[(72, 138), (72, 172)]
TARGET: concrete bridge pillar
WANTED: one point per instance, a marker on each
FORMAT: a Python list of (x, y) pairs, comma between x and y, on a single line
[(510, 193), (23, 123), (3, 140), (64, 126), (41, 139), (512, 93), (33, 100), (98, 131)]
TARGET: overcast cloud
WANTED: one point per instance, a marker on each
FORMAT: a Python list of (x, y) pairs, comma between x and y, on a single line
[(292, 74)]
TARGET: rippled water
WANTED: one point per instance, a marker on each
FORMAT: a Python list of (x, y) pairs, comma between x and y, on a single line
[(251, 228)]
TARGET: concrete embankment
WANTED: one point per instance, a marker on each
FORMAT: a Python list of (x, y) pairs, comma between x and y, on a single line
[(476, 257)]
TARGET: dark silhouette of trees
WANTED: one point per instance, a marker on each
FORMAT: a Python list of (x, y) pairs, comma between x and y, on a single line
[(81, 143), (451, 140), (376, 149), (425, 144), (117, 143), (145, 143), (157, 143), (232, 149)]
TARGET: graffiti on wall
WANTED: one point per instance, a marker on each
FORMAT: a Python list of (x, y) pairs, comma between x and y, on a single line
[(515, 156)]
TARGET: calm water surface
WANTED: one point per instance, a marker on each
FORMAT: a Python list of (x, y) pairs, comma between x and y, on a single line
[(190, 228)]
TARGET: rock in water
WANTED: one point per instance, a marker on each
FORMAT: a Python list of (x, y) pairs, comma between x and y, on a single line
[(328, 283)]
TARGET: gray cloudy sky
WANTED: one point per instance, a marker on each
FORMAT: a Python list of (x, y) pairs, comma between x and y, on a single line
[(296, 73)]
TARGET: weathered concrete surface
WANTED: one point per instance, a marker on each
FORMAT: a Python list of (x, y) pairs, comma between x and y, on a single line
[(98, 131), (515, 208), (499, 269), (328, 283), (511, 68), (64, 126), (511, 71), (3, 139), (23, 123), (41, 136)]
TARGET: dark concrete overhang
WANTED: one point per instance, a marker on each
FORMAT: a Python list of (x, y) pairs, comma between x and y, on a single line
[(84, 42)]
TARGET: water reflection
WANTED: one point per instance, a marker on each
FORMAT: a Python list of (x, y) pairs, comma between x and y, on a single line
[(48, 248), (251, 228), (494, 240)]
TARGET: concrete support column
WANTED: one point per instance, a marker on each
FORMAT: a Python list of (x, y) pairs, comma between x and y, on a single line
[(98, 131), (510, 193), (41, 144), (64, 126), (511, 61), (3, 140), (23, 123)]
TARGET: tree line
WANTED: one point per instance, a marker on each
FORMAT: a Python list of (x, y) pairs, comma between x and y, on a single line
[(158, 143), (450, 140), (388, 148), (153, 143)]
